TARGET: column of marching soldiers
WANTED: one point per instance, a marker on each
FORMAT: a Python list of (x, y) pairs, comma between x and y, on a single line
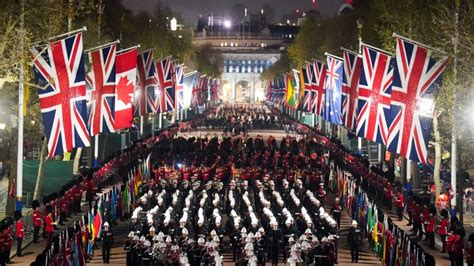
[(268, 210)]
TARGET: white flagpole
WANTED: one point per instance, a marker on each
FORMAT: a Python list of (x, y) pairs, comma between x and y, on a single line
[(408, 169), (96, 150), (19, 164), (141, 126), (380, 157), (359, 26)]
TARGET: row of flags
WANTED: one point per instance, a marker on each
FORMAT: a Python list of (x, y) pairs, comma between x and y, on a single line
[(384, 98), (120, 85)]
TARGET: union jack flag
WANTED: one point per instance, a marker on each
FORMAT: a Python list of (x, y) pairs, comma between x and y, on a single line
[(203, 89), (270, 91), (146, 84), (417, 77), (282, 88), (179, 87), (190, 81), (350, 84), (61, 74), (166, 95), (102, 81), (333, 88), (319, 92), (215, 89), (195, 101), (307, 76), (375, 86)]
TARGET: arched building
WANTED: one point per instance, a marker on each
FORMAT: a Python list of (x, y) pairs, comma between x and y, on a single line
[(247, 50)]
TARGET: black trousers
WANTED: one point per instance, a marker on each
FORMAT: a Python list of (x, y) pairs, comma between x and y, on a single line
[(18, 247), (431, 239), (36, 234), (443, 239), (106, 253), (6, 255), (355, 254), (2, 259), (400, 213)]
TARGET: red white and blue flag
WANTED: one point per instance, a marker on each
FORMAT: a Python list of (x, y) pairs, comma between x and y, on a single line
[(215, 89), (350, 85), (333, 86), (281, 85), (195, 97), (102, 81), (179, 87), (375, 86), (190, 83), (166, 77), (417, 77), (126, 75), (319, 92), (60, 72), (147, 84), (307, 73)]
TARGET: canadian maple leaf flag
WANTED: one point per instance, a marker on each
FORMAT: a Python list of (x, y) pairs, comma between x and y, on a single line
[(126, 72)]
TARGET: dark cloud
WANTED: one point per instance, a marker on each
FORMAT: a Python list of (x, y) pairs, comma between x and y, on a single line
[(190, 9)]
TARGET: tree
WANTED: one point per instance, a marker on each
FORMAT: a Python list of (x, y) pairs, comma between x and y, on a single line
[(282, 66), (208, 61)]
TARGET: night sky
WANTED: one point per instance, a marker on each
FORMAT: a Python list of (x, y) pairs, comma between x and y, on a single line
[(190, 9)]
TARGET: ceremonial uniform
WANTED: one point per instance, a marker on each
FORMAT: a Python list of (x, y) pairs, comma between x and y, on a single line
[(107, 241), (20, 235), (37, 222), (355, 239)]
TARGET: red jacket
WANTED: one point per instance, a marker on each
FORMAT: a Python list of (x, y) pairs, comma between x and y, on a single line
[(430, 224), (451, 241), (49, 224), (20, 229), (470, 254), (37, 220), (399, 202), (8, 238), (443, 225)]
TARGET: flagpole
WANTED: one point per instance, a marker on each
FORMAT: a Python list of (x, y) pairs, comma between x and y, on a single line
[(359, 27), (376, 48), (19, 164), (141, 126), (61, 35), (96, 151), (395, 35), (101, 46), (128, 49)]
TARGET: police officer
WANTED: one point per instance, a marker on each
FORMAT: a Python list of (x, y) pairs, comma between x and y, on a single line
[(107, 241), (355, 237)]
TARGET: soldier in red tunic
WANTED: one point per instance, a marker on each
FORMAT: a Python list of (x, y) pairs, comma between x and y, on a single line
[(8, 241), (37, 221), (400, 205), (19, 233)]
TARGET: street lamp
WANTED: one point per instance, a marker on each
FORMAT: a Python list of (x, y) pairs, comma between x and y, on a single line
[(174, 24), (227, 24)]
